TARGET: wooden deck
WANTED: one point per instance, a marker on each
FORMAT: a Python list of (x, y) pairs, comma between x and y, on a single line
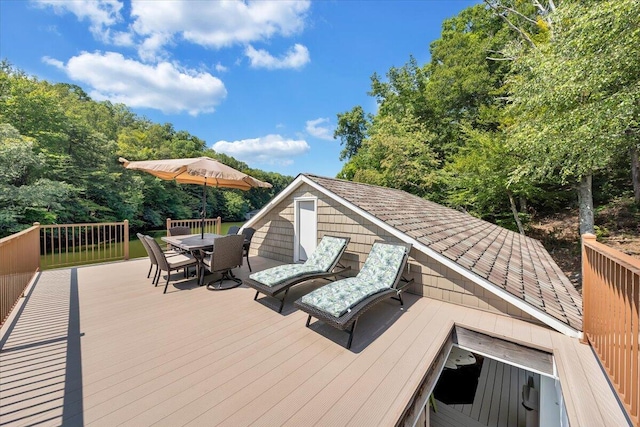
[(99, 345), (497, 401)]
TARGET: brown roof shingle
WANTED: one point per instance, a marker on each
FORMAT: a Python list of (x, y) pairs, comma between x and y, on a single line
[(518, 264)]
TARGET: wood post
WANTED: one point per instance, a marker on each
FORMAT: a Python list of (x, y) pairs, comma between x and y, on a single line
[(126, 239), (37, 224), (586, 278)]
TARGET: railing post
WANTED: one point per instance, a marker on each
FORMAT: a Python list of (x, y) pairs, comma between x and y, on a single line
[(37, 224), (586, 289), (218, 225), (126, 239), (168, 225)]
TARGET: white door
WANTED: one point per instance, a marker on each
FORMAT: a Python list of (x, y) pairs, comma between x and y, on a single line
[(305, 229)]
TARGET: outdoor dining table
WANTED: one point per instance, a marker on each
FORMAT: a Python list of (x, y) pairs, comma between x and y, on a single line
[(196, 245)]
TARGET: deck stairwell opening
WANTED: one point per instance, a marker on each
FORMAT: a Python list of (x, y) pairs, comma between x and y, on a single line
[(483, 381)]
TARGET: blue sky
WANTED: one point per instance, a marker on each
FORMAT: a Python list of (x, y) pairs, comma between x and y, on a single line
[(261, 81)]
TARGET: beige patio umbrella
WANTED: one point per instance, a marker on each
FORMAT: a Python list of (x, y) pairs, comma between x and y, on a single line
[(199, 170)]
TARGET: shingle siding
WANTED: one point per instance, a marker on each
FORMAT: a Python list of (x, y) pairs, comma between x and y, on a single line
[(273, 238)]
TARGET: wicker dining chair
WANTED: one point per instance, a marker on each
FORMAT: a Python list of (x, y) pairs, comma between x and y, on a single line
[(169, 264), (248, 235), (152, 258), (233, 230), (226, 255)]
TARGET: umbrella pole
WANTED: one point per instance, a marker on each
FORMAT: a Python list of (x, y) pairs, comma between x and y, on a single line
[(204, 208)]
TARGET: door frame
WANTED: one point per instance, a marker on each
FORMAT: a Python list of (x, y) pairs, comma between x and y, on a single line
[(296, 223)]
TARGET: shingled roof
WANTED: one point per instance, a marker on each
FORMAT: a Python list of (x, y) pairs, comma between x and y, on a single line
[(515, 263)]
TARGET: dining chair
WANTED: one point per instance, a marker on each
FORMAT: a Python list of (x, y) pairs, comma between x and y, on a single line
[(248, 235), (169, 264), (226, 255), (152, 257)]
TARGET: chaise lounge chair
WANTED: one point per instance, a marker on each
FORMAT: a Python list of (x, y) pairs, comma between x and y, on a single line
[(321, 264), (342, 302)]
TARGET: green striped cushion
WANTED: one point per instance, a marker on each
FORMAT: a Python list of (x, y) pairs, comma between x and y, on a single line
[(379, 273), (320, 261)]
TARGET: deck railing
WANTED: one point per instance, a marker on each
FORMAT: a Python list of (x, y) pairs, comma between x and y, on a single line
[(64, 245), (19, 262), (610, 288), (211, 225)]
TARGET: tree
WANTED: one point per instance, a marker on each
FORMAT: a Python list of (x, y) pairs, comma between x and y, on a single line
[(26, 197), (480, 182), (576, 99), (58, 161), (352, 130), (458, 88), (397, 155)]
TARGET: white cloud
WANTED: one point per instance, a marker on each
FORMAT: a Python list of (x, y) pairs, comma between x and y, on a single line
[(54, 62), (221, 68), (296, 57), (101, 14), (270, 149), (218, 24), (164, 86), (314, 128), (152, 48), (122, 38), (153, 26)]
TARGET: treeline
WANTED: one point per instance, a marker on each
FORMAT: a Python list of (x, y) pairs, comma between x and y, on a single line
[(526, 106), (59, 154)]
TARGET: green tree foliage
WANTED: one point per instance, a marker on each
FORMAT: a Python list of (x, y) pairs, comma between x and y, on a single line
[(397, 155), (480, 182), (25, 195), (58, 162), (576, 99), (437, 107), (521, 99), (352, 130)]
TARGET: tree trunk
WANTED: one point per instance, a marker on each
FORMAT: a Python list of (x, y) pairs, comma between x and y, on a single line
[(585, 200), (635, 174), (514, 211), (523, 204)]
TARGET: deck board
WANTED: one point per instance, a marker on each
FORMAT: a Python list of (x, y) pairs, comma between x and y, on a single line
[(446, 416), (514, 401), (333, 402), (397, 381), (99, 345), (498, 396)]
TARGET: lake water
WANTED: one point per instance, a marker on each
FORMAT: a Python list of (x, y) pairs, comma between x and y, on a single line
[(136, 250)]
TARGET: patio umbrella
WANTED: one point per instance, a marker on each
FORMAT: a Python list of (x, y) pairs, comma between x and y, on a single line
[(200, 170)]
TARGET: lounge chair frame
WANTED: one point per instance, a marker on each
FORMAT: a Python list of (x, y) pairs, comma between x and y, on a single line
[(348, 321), (336, 269)]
